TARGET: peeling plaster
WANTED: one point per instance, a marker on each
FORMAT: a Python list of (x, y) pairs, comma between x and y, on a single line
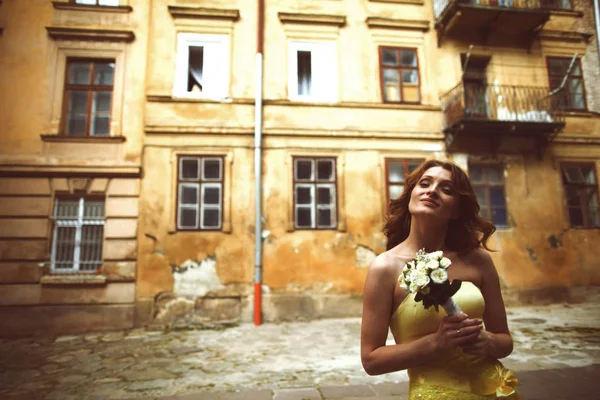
[(531, 254), (196, 278)]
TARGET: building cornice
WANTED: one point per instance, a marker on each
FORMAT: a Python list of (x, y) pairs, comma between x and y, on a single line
[(82, 139), (90, 34), (394, 23), (318, 19), (204, 13), (414, 2)]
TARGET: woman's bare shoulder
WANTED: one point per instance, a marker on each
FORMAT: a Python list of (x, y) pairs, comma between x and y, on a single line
[(482, 260)]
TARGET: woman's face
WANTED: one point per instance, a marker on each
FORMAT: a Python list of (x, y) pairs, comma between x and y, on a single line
[(434, 195)]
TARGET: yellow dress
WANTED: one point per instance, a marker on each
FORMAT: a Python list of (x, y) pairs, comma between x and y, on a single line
[(454, 374)]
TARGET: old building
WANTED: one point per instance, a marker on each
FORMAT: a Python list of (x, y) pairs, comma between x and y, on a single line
[(129, 197)]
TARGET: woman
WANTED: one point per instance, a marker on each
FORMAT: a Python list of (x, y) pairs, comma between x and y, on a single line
[(447, 357)]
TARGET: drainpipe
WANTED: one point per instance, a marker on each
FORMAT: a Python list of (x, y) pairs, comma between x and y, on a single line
[(258, 165), (597, 18)]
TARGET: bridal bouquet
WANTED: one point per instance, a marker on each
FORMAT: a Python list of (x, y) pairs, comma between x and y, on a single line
[(426, 276)]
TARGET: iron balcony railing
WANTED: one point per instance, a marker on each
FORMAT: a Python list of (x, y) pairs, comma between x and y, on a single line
[(493, 102), (440, 5)]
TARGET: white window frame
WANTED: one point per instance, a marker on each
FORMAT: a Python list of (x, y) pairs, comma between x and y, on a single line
[(324, 70), (106, 3), (200, 185), (215, 68), (78, 224)]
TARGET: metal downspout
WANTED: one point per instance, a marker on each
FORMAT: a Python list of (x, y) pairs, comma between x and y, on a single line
[(597, 21), (258, 165)]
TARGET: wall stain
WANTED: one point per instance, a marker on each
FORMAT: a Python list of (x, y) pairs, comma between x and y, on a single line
[(531, 254)]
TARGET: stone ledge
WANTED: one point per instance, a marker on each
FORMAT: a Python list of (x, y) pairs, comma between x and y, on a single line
[(204, 13), (99, 35), (318, 19), (394, 23), (59, 5), (414, 2), (79, 279), (82, 139)]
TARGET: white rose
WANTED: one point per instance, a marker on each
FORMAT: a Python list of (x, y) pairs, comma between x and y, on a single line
[(439, 276), (445, 262), (437, 255), (420, 265), (432, 264), (413, 287), (422, 279), (405, 287)]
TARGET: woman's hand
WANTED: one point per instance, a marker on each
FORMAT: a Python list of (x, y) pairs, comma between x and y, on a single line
[(456, 331), (480, 346)]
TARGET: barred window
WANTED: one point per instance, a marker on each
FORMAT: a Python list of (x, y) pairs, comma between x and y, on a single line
[(315, 198), (200, 193), (581, 194), (488, 184), (78, 235)]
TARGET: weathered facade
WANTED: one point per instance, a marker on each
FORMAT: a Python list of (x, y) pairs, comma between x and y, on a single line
[(72, 81), (355, 93)]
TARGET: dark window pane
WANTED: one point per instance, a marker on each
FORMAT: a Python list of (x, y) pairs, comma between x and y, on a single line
[(101, 102), (578, 101), (100, 125), (576, 216), (410, 76), (558, 66), (211, 218), (303, 217), (80, 73), (497, 197), (499, 216), (66, 209), (588, 174), (189, 195), (304, 73), (90, 257), (304, 169), (395, 171), (573, 196), (65, 245), (303, 195), (481, 196), (103, 73), (325, 170), (189, 168), (212, 169), (324, 195), (195, 69), (211, 195), (409, 58), (93, 210), (412, 165), (324, 218), (78, 101), (390, 75), (76, 124), (494, 174), (476, 174), (188, 218), (390, 57)]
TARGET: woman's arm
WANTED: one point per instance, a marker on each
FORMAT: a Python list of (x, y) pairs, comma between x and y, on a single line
[(376, 357), (496, 340)]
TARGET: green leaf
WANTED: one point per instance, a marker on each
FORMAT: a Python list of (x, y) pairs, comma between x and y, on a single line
[(419, 296)]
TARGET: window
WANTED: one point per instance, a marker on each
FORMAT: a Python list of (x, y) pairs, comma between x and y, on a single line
[(202, 66), (581, 194), (572, 97), (313, 71), (488, 184), (200, 193), (556, 4), (88, 97), (396, 171), (315, 199), (399, 70), (114, 3), (78, 235)]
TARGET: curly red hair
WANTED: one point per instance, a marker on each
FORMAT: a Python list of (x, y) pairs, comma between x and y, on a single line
[(467, 232)]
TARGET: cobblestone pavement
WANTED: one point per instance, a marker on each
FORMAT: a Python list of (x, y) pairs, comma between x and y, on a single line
[(295, 357)]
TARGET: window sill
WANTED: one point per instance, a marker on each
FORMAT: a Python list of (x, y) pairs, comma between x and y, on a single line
[(579, 114), (74, 279), (59, 5), (567, 13), (391, 106), (82, 139)]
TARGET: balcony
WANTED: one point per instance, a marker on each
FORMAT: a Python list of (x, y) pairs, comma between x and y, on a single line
[(475, 112), (494, 22)]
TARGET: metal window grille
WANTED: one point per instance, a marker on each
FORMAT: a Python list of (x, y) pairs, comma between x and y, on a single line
[(78, 235)]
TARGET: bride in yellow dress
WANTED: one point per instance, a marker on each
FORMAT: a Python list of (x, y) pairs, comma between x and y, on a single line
[(447, 357)]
